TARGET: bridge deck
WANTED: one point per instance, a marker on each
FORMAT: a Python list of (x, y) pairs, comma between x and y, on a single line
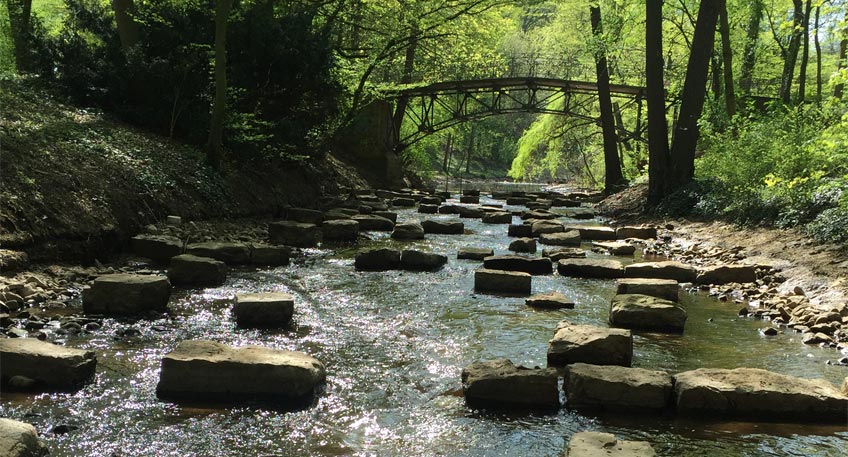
[(515, 82)]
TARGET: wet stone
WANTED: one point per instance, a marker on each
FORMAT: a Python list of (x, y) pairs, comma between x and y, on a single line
[(498, 281), (644, 233), (187, 269), (227, 252), (126, 294), (532, 265), (615, 247), (568, 238), (368, 223), (408, 231), (595, 444), (667, 289), (474, 253), (559, 253), (439, 227), (421, 261), (661, 270), (340, 230), (573, 343), (502, 384), (615, 388), (497, 218), (377, 260), (644, 312), (590, 268), (159, 248), (520, 230), (268, 310), (526, 245), (290, 233), (50, 366), (551, 300), (19, 439)]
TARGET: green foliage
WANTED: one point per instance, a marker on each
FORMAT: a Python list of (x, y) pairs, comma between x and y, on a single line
[(7, 48)]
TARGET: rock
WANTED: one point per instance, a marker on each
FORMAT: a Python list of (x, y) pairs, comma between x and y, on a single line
[(498, 217), (471, 192), (340, 230), (403, 202), (534, 265), (227, 252), (643, 233), (667, 289), (408, 231), (377, 260), (293, 234), (517, 201), (428, 209), (439, 227), (644, 312), (527, 245), (159, 248), (19, 439), (51, 366), (368, 223), (431, 201), (449, 209), (126, 294), (468, 212), (500, 383), (551, 300), (558, 253), (613, 388), (262, 254), (770, 331), (595, 444), (521, 231), (569, 238), (538, 215), (661, 270), (724, 274), (574, 343), (474, 253), (421, 261), (513, 282), (305, 215), (385, 215), (335, 215), (541, 227), (752, 393), (590, 268), (174, 221), (560, 202), (269, 310), (194, 270), (615, 247), (213, 371), (580, 213), (471, 199), (816, 338)]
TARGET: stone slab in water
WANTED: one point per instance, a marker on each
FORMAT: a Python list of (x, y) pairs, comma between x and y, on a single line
[(520, 230), (206, 370), (668, 289), (643, 233), (473, 199), (614, 388), (595, 233), (615, 247), (643, 312), (159, 248), (263, 254), (377, 260), (751, 393), (573, 343), (392, 216), (502, 384), (50, 366), (550, 300), (567, 238), (560, 202), (580, 213), (294, 233), (474, 253), (558, 253), (340, 230), (527, 245), (403, 202), (428, 209), (372, 222), (541, 227), (595, 444), (126, 294), (421, 261), (468, 212), (591, 268), (532, 265), (431, 200), (661, 270), (538, 215), (724, 274), (512, 282), (305, 215), (408, 231), (190, 269), (19, 439), (269, 309), (439, 227), (517, 201), (225, 251), (497, 217)]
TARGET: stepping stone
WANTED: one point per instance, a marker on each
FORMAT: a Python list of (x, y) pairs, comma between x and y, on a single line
[(159, 248), (305, 215), (126, 294), (49, 366), (471, 192), (613, 388), (538, 215), (559, 253), (227, 252), (511, 282), (596, 233), (591, 268), (615, 247), (421, 261), (428, 209), (539, 205), (263, 254), (474, 253), (642, 233), (573, 343), (751, 393), (449, 209), (431, 201), (205, 370), (723, 274), (349, 212), (19, 439), (293, 233), (408, 231), (569, 238), (517, 201), (467, 212), (340, 230), (391, 216), (541, 227), (268, 310), (580, 213), (661, 270), (644, 312), (667, 289), (502, 384), (521, 231), (403, 202), (564, 203), (369, 223), (443, 227), (527, 245), (471, 199), (377, 260), (551, 300), (194, 270), (497, 217), (532, 265), (595, 444), (500, 195)]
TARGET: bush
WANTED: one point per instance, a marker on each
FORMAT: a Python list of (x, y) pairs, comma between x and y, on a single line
[(831, 225)]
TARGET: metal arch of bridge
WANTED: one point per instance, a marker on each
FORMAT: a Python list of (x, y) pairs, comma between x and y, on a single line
[(462, 101)]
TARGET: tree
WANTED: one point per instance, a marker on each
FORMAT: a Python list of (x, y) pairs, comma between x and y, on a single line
[(805, 54), (214, 148), (818, 55), (749, 58), (843, 54), (790, 55), (20, 18), (658, 160), (727, 61), (127, 27)]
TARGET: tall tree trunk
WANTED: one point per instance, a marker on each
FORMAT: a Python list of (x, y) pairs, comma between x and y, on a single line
[(818, 57), (727, 61), (692, 98), (843, 54), (715, 67), (127, 27), (749, 59), (20, 22), (791, 56), (613, 178), (658, 160), (406, 78), (805, 55), (214, 151)]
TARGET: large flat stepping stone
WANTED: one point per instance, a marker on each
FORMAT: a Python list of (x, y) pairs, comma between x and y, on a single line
[(474, 253), (499, 281), (45, 366), (596, 233), (613, 388), (187, 269), (580, 213), (126, 294), (159, 248), (752, 393), (377, 260), (264, 310), (421, 261), (724, 274), (642, 233), (390, 215), (573, 343), (471, 199), (591, 268), (532, 265), (408, 231), (470, 212), (305, 215), (559, 253), (231, 253), (502, 384), (520, 230), (643, 312), (661, 270), (596, 444), (19, 439), (497, 217), (373, 223), (428, 209), (263, 254), (562, 202), (569, 238), (340, 230), (518, 201), (663, 288), (290, 233), (526, 245), (550, 300), (615, 247), (205, 370), (538, 215), (431, 200), (539, 228), (443, 227), (403, 202), (449, 209)]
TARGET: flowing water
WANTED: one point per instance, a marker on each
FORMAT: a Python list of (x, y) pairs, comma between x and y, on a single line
[(394, 344)]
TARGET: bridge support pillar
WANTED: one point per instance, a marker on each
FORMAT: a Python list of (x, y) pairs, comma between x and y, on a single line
[(368, 143)]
